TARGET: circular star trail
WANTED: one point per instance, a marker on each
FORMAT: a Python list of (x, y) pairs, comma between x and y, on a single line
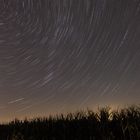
[(63, 55)]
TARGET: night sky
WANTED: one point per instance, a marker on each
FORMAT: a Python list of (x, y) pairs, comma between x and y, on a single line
[(64, 55)]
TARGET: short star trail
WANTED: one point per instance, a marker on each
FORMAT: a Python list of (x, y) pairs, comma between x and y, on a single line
[(58, 56)]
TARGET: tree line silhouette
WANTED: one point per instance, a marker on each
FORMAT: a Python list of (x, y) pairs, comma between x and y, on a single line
[(105, 124)]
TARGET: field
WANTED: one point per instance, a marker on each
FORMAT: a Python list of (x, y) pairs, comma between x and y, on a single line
[(105, 124)]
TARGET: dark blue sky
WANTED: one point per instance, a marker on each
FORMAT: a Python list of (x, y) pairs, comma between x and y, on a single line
[(63, 55)]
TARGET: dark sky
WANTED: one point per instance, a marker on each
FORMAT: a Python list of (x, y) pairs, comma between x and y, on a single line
[(63, 55)]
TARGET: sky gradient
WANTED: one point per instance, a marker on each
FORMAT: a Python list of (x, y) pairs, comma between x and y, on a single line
[(63, 55)]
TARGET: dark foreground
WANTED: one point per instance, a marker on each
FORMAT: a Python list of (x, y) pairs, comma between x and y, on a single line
[(82, 125)]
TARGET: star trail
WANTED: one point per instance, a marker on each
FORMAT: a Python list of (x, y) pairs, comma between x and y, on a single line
[(63, 55)]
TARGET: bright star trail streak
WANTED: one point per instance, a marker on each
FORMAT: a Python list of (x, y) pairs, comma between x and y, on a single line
[(63, 55)]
